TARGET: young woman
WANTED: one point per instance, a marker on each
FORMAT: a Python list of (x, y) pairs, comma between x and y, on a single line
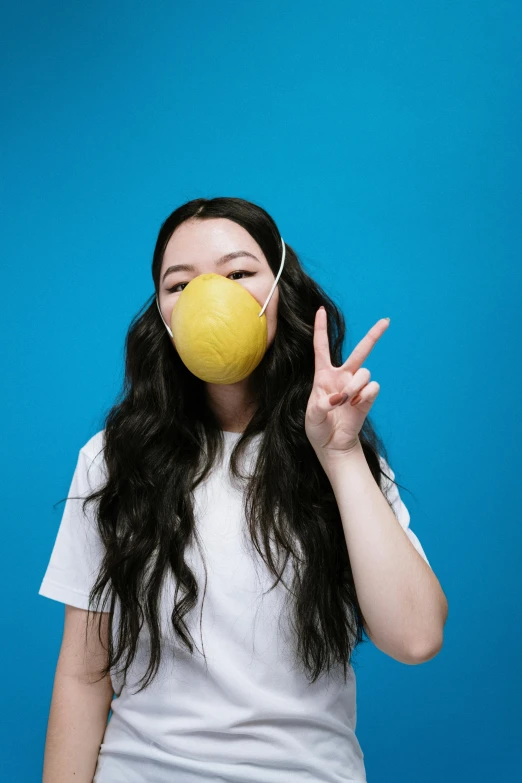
[(233, 531)]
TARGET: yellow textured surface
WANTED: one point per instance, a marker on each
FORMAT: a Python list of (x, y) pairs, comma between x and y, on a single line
[(217, 330)]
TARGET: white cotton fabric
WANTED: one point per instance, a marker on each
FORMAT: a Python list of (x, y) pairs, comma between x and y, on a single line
[(249, 713)]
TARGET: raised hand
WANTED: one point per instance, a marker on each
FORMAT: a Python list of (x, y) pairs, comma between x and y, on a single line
[(341, 397)]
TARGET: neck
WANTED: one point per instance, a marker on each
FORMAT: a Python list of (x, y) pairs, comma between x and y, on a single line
[(233, 404)]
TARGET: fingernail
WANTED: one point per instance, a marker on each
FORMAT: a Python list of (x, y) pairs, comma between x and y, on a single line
[(387, 318)]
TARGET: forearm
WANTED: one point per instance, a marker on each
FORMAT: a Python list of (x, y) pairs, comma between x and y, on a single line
[(77, 722), (400, 597)]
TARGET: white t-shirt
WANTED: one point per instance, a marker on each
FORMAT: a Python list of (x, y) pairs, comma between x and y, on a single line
[(252, 714)]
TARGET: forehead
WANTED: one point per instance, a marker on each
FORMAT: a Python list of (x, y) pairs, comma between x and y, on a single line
[(206, 240)]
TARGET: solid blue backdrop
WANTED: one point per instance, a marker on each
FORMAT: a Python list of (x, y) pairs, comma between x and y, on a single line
[(384, 139)]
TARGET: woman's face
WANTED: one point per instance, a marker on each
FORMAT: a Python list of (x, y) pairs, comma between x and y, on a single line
[(199, 246)]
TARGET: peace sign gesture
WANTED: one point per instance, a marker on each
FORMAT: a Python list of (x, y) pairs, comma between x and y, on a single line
[(332, 424)]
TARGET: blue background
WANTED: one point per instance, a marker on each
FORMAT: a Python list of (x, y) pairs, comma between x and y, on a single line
[(385, 139)]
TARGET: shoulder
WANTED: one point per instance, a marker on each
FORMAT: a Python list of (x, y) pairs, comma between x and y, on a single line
[(92, 452), (94, 446), (386, 468), (387, 480)]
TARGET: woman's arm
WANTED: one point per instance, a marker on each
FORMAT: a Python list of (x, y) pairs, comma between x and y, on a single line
[(401, 599), (79, 707)]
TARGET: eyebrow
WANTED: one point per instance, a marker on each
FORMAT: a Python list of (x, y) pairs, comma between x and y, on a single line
[(219, 262)]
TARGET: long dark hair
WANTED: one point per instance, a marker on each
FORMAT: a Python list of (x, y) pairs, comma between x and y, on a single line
[(154, 459)]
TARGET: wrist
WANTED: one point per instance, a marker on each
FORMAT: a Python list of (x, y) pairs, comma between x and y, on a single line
[(332, 459)]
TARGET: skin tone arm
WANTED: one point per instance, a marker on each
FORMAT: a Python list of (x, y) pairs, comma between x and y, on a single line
[(400, 597), (79, 708)]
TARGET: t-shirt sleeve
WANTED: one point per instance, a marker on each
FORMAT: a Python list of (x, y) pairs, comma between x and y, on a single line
[(401, 512), (78, 550)]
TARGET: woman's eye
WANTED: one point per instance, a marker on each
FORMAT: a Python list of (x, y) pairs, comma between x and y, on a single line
[(241, 272), (174, 288)]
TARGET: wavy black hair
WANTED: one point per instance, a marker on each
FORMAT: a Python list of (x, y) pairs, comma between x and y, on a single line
[(161, 440)]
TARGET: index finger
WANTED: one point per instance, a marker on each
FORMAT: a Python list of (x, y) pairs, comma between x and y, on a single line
[(365, 346), (320, 341)]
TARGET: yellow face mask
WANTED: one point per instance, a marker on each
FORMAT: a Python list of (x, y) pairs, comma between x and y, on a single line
[(217, 329)]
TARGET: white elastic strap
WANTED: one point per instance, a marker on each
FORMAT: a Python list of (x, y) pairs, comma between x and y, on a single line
[(277, 278), (161, 316), (265, 304)]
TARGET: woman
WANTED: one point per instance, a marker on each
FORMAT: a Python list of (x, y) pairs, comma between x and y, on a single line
[(239, 501)]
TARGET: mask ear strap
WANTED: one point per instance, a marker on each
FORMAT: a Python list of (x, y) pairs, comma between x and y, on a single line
[(161, 316), (277, 278)]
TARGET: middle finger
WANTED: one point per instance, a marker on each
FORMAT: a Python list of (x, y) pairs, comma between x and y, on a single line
[(364, 347)]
